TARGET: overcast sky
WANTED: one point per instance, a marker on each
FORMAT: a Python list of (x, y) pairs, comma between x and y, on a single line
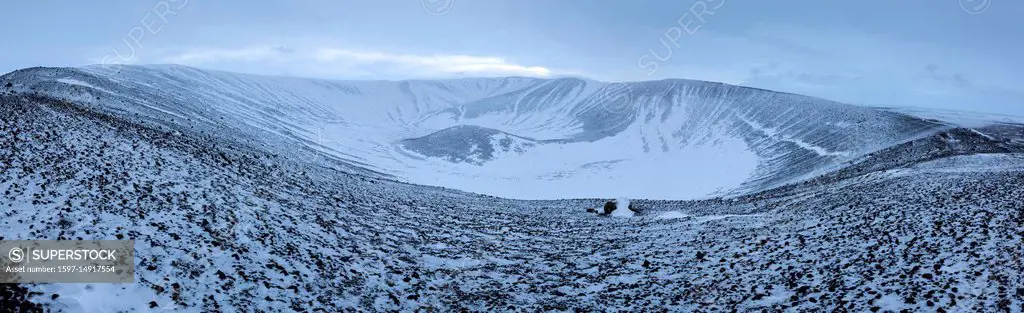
[(945, 54)]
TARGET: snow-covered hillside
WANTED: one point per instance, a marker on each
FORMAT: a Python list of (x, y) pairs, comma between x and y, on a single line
[(568, 138), (222, 224)]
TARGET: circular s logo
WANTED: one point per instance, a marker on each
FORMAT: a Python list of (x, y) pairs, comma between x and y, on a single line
[(975, 6), (437, 7), (616, 98), (16, 255)]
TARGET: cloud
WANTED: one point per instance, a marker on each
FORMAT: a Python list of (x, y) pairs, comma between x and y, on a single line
[(213, 55), (799, 76), (342, 62), (936, 73), (438, 63)]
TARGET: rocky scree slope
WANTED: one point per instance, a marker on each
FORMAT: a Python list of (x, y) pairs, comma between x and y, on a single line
[(223, 225)]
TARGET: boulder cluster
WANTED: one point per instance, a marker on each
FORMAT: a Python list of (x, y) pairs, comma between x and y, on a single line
[(610, 206)]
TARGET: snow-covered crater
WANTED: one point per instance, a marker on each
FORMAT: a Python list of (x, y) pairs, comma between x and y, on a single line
[(512, 137)]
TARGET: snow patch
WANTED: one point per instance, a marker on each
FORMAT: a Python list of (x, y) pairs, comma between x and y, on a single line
[(672, 215), (622, 208), (72, 81)]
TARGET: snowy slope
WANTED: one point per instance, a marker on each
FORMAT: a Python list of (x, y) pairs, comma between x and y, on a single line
[(222, 225), (959, 118), (670, 139)]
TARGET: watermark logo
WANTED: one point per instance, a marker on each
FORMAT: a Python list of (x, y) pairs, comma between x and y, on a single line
[(975, 6), (437, 7), (688, 24), (315, 154), (67, 261), (616, 97), (16, 255), (149, 25)]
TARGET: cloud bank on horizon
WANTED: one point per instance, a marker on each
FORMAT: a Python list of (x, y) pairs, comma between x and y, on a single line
[(334, 62), (949, 54)]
